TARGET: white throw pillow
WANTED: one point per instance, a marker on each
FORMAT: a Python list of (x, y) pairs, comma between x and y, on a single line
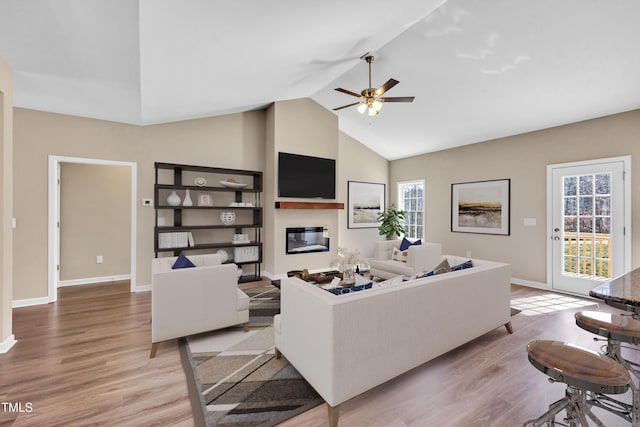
[(399, 255)]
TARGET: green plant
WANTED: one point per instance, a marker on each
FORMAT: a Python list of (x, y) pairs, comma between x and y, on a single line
[(392, 222)]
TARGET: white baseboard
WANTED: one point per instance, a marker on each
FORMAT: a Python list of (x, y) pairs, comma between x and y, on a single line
[(91, 280), (142, 288), (30, 302), (6, 345), (530, 284)]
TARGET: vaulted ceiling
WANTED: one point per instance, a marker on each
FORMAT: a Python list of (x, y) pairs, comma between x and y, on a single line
[(479, 69)]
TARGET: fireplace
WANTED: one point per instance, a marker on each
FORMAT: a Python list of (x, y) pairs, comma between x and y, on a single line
[(302, 240)]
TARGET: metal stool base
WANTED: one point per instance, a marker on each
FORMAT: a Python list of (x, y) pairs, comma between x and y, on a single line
[(578, 407)]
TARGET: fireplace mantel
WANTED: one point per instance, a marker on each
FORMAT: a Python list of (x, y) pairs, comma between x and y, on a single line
[(309, 205)]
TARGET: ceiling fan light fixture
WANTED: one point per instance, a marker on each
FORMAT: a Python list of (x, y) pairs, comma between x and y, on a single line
[(369, 96)]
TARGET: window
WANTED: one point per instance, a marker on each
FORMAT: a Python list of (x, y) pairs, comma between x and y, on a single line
[(411, 200)]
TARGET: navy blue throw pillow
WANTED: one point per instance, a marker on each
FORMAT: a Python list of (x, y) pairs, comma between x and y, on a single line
[(404, 245), (466, 264), (342, 291), (182, 262)]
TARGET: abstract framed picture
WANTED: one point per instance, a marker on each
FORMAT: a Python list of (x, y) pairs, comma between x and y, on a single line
[(481, 207), (365, 202)]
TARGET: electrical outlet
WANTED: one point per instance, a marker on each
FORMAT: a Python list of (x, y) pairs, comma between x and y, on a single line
[(147, 202), (468, 254), (99, 259)]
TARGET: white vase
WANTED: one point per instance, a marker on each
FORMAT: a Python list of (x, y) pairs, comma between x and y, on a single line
[(349, 274), (173, 199), (187, 199), (228, 217)]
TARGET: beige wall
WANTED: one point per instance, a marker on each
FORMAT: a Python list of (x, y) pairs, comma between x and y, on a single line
[(234, 141), (523, 159), (238, 141), (299, 126), (359, 163), (95, 219), (6, 202)]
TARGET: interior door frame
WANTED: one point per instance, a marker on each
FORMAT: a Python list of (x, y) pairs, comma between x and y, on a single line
[(627, 202), (54, 214)]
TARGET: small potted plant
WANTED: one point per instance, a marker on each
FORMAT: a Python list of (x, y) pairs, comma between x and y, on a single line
[(392, 222)]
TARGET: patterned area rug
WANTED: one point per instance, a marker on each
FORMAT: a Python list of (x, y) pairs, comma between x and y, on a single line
[(239, 381)]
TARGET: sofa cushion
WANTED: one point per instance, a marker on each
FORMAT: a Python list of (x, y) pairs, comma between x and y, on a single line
[(399, 255), (443, 267), (404, 245), (182, 262), (393, 268)]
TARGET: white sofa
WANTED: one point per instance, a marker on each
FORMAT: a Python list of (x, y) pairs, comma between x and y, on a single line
[(344, 345), (188, 301), (419, 258)]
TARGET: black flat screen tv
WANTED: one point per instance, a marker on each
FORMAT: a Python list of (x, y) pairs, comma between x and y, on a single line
[(306, 176)]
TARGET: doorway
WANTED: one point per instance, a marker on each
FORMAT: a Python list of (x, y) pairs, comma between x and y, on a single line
[(54, 218), (589, 217)]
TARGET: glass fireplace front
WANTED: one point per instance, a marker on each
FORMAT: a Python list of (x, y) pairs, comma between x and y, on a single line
[(302, 240)]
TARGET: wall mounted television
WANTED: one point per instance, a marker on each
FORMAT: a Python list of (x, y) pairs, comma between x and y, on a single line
[(306, 176)]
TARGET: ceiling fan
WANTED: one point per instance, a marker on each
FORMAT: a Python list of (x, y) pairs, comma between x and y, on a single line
[(371, 97)]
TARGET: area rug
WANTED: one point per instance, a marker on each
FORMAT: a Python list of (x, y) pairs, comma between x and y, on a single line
[(238, 380)]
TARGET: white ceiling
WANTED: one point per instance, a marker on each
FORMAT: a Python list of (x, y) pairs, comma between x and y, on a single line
[(479, 69)]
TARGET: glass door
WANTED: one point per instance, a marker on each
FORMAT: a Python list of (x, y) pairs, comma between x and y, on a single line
[(588, 225)]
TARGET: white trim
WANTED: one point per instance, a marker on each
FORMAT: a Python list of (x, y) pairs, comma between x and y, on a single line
[(6, 345), (54, 208), (91, 280), (399, 201), (530, 284), (626, 167), (18, 303), (143, 288)]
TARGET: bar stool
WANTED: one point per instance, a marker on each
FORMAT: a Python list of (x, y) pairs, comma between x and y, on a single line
[(589, 377), (616, 329)]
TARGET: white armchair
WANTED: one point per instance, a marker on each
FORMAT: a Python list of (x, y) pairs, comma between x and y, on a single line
[(420, 258), (188, 301)]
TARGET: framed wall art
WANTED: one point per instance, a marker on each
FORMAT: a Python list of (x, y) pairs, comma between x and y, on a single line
[(481, 207), (365, 201), (205, 200)]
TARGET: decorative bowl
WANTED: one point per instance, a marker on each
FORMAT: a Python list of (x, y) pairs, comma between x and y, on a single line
[(230, 184)]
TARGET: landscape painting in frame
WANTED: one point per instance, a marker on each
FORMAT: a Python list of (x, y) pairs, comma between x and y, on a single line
[(365, 202), (481, 207)]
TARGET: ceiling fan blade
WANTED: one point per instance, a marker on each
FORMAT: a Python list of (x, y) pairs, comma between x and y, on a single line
[(398, 99), (346, 106), (385, 87), (348, 92)]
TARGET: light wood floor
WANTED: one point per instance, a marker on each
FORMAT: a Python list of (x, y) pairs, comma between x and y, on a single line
[(85, 361)]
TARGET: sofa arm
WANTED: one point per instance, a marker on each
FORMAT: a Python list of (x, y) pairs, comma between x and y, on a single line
[(424, 257), (305, 333), (192, 300)]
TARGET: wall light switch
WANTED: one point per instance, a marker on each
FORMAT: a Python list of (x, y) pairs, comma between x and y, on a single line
[(530, 222), (99, 259), (147, 202), (14, 223)]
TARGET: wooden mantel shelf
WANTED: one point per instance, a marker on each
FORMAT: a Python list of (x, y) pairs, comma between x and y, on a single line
[(309, 205)]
